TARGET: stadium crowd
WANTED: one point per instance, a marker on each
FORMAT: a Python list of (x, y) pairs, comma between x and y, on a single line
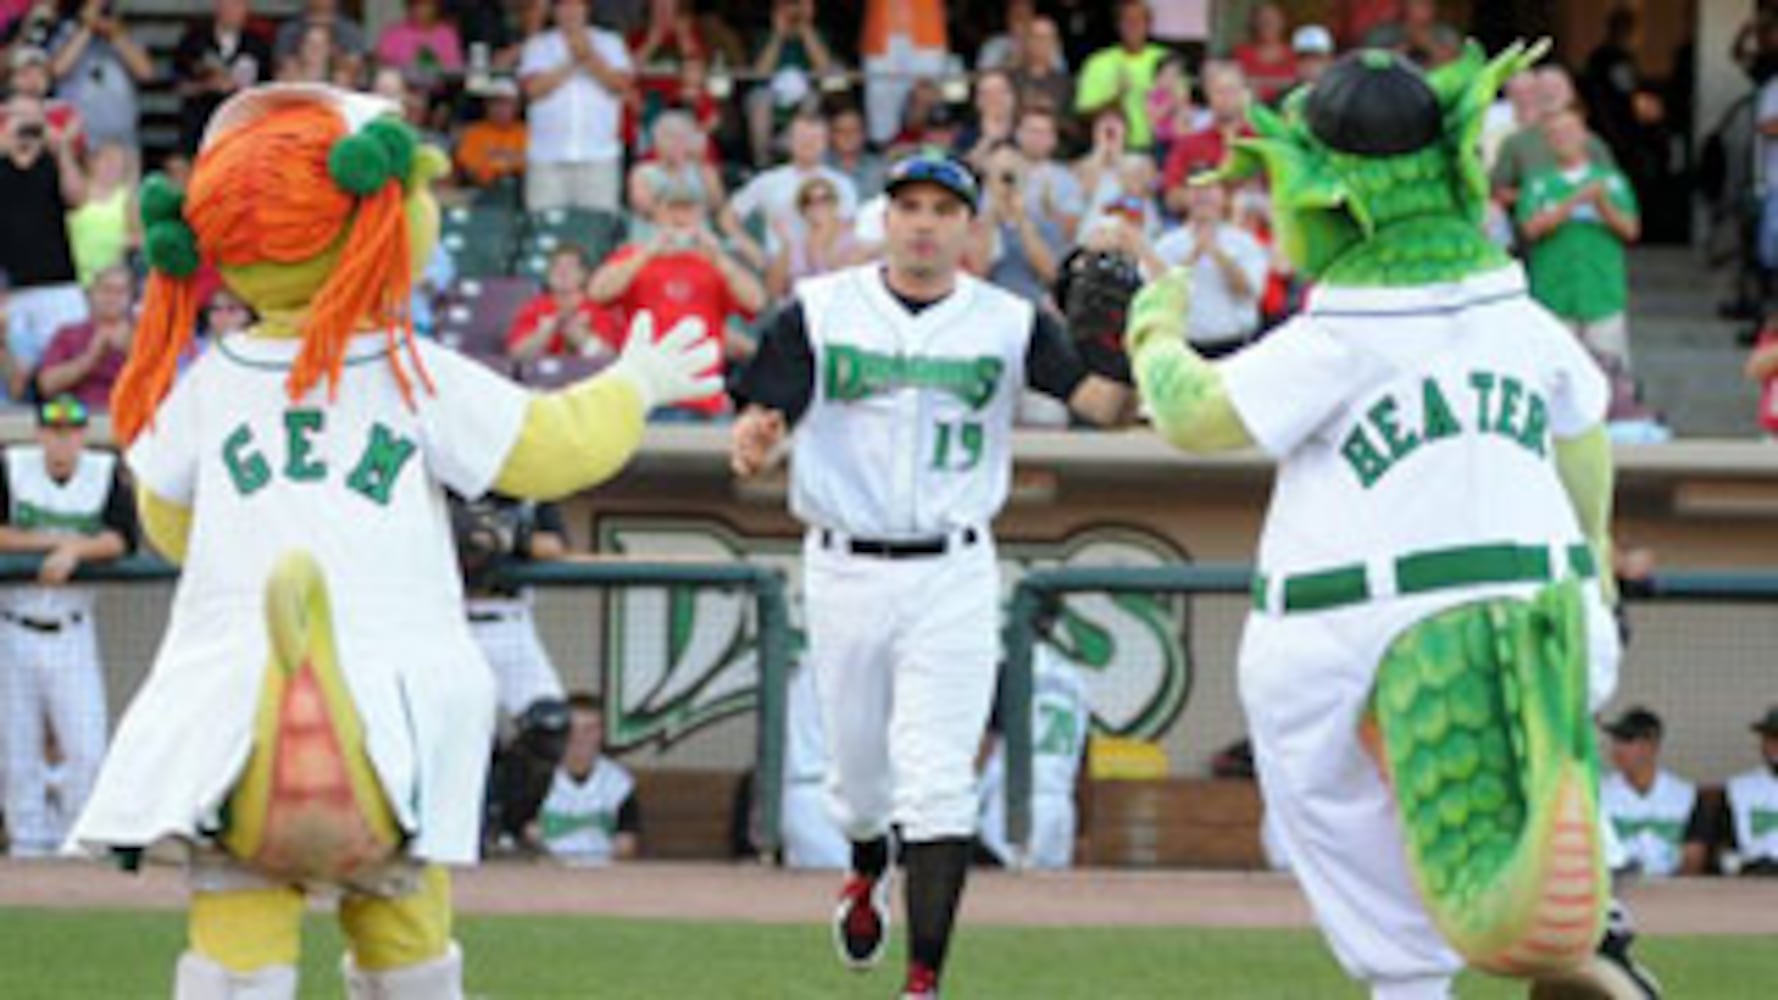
[(614, 156)]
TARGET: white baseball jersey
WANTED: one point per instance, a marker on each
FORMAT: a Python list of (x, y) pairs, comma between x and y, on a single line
[(37, 502), (1753, 809), (923, 445), (1059, 727), (579, 819), (358, 483), (1651, 825)]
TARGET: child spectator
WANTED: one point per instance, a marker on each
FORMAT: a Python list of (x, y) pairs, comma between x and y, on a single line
[(491, 151), (1577, 219), (563, 320), (104, 229)]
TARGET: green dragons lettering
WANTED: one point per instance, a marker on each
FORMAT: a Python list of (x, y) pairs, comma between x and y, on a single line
[(853, 373)]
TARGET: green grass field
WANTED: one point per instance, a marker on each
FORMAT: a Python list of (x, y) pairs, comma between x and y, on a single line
[(116, 954)]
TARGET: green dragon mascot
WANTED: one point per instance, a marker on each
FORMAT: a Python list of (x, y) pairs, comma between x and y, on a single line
[(1431, 624)]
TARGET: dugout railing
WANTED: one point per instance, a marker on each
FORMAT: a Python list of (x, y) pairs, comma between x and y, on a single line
[(769, 630), (1717, 592)]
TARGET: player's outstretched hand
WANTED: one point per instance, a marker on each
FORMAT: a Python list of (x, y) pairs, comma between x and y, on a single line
[(756, 432), (682, 365)]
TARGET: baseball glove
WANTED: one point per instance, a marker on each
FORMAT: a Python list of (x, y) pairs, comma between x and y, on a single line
[(1093, 289)]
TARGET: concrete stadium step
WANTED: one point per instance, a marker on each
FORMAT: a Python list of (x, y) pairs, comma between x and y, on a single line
[(1688, 360)]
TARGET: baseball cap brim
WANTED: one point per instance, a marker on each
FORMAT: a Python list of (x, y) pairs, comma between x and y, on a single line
[(938, 171)]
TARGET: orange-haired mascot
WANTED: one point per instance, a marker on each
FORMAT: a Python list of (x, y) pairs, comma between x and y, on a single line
[(318, 714)]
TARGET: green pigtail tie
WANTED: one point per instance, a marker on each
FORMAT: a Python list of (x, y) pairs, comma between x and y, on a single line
[(167, 239), (363, 162)]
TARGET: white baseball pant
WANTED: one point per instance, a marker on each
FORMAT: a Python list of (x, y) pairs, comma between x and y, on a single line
[(54, 678), (905, 654), (507, 634)]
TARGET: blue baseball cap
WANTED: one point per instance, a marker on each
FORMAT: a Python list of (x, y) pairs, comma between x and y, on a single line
[(933, 166)]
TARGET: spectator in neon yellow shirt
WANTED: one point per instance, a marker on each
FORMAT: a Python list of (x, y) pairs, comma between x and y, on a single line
[(1123, 74)]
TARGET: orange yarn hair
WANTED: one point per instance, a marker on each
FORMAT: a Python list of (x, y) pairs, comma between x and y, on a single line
[(262, 193)]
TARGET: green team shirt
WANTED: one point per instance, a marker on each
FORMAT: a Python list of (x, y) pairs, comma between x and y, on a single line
[(1109, 68), (1577, 271)]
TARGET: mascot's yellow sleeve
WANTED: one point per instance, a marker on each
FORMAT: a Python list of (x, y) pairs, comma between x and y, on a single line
[(571, 440), (1584, 464), (1184, 394), (574, 439)]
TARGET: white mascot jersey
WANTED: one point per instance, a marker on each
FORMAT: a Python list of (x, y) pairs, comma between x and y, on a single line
[(358, 483)]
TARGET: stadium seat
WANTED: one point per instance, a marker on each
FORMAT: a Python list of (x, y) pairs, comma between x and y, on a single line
[(481, 239), (476, 313), (598, 233), (554, 372)]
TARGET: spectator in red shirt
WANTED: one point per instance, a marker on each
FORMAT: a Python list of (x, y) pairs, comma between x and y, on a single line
[(86, 358), (681, 271), (1267, 57), (563, 320), (1225, 91)]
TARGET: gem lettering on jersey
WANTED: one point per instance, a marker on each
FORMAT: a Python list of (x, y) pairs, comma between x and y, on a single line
[(247, 468), (853, 373), (1389, 432), (377, 470), (300, 427)]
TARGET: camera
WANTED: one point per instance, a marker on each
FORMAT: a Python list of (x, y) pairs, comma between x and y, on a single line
[(30, 130), (1009, 178)]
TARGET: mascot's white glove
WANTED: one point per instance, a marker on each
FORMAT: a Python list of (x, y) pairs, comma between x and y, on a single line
[(681, 365)]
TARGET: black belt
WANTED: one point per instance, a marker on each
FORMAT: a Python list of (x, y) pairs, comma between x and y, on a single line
[(484, 617), (46, 626), (917, 548)]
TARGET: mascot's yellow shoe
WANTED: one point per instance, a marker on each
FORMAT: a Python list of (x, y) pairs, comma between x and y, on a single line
[(309, 807)]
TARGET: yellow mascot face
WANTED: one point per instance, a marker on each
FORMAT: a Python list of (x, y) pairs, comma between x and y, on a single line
[(273, 288)]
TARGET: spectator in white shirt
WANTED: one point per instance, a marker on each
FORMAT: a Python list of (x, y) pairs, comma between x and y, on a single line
[(1229, 268), (576, 77), (772, 194)]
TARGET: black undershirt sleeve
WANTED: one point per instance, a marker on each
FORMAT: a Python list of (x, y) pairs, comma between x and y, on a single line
[(781, 375), (549, 518), (120, 510), (1052, 365), (629, 816)]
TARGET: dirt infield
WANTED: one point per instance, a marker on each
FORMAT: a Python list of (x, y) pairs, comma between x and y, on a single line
[(750, 893)]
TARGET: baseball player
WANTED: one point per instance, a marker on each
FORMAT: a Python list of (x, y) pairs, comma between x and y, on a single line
[(1653, 811), (1750, 833), (590, 816), (500, 618), (900, 381), (1430, 630), (67, 503), (1059, 728)]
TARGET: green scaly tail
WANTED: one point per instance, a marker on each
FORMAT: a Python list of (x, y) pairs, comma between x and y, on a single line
[(1485, 731)]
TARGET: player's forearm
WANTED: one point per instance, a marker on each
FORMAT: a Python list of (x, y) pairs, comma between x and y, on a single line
[(166, 525), (108, 544), (574, 439), (1584, 465), (24, 540)]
